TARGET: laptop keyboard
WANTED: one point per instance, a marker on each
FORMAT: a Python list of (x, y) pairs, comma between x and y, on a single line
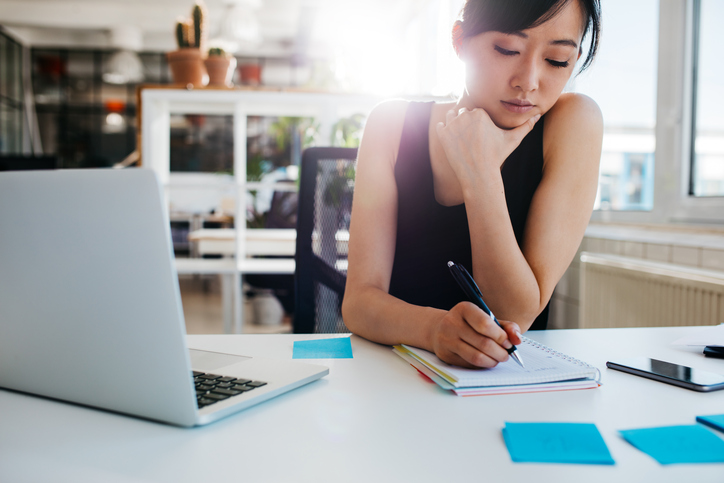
[(212, 388)]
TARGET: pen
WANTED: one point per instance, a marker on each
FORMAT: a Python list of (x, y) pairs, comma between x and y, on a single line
[(471, 289)]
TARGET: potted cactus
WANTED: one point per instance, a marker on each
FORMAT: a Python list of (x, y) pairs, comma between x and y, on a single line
[(220, 66), (186, 63)]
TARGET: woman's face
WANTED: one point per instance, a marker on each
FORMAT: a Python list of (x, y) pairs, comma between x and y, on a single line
[(518, 75)]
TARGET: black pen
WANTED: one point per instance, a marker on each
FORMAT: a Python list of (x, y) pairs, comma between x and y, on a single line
[(471, 289)]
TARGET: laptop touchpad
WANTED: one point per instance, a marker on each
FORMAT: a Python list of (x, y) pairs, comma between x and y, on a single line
[(206, 361)]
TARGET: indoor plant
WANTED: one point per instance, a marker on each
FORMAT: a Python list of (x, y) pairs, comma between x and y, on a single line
[(220, 66), (186, 63)]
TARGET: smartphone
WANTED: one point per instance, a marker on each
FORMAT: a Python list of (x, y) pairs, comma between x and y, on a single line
[(684, 376)]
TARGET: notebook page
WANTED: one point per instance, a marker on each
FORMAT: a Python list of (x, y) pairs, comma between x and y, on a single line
[(542, 364)]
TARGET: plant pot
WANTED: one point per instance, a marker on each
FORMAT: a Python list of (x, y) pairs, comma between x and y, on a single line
[(220, 70), (267, 308), (249, 315), (187, 67), (250, 74)]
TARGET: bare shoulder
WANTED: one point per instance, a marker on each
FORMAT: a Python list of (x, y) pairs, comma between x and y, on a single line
[(383, 130), (574, 112), (387, 118), (574, 123), (390, 109)]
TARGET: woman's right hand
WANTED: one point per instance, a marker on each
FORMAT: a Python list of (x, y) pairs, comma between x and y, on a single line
[(472, 141), (468, 337)]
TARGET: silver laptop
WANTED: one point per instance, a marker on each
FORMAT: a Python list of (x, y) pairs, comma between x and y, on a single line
[(90, 309)]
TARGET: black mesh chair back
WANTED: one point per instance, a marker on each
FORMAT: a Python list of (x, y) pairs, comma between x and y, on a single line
[(325, 203)]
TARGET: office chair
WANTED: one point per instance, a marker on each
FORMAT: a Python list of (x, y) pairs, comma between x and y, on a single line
[(19, 162), (282, 214), (325, 203)]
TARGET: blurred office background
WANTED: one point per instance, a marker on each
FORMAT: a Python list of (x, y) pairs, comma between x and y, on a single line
[(69, 72)]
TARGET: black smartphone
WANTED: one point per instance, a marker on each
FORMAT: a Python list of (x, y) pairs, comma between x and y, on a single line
[(684, 376)]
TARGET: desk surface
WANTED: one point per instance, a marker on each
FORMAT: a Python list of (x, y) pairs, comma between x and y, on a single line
[(259, 241), (373, 418)]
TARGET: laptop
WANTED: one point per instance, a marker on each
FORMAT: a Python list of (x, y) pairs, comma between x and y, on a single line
[(90, 308)]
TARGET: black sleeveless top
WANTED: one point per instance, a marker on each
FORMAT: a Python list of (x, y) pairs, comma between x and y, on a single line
[(430, 234)]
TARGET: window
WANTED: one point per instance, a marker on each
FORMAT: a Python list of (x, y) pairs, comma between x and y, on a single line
[(707, 154), (11, 96), (83, 121), (623, 80)]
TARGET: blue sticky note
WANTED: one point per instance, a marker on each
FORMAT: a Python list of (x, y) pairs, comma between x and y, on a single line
[(678, 444), (715, 421), (336, 348), (556, 443)]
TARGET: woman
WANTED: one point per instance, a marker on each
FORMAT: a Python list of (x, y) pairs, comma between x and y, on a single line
[(501, 181)]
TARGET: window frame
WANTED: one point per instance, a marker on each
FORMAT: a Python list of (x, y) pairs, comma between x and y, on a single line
[(12, 100), (695, 52), (673, 203), (695, 40)]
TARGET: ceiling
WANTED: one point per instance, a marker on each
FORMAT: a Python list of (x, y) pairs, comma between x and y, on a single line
[(286, 26)]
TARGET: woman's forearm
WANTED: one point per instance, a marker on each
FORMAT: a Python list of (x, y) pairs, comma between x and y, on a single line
[(499, 267), (376, 315)]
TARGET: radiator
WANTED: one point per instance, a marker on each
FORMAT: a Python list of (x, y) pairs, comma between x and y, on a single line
[(619, 291)]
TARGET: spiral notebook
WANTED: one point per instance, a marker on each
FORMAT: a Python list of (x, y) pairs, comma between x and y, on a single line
[(545, 370)]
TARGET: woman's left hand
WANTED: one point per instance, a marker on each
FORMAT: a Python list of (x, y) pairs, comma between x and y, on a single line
[(473, 142)]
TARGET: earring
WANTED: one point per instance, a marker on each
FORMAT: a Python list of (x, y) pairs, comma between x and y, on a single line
[(457, 37)]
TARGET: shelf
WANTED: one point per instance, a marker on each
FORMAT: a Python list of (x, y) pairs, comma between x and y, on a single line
[(157, 104)]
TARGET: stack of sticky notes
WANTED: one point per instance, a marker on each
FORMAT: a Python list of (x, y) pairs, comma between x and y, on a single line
[(678, 444), (334, 348), (556, 443), (681, 444), (582, 443)]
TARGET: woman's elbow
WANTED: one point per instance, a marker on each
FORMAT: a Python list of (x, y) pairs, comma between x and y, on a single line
[(348, 312), (524, 313), (529, 316)]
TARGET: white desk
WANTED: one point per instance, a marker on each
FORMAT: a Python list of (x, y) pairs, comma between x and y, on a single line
[(372, 419), (259, 241)]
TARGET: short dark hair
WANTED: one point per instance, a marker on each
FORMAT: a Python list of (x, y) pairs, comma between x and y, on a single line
[(478, 16)]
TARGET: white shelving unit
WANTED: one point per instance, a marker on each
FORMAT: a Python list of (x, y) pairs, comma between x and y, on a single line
[(157, 106)]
